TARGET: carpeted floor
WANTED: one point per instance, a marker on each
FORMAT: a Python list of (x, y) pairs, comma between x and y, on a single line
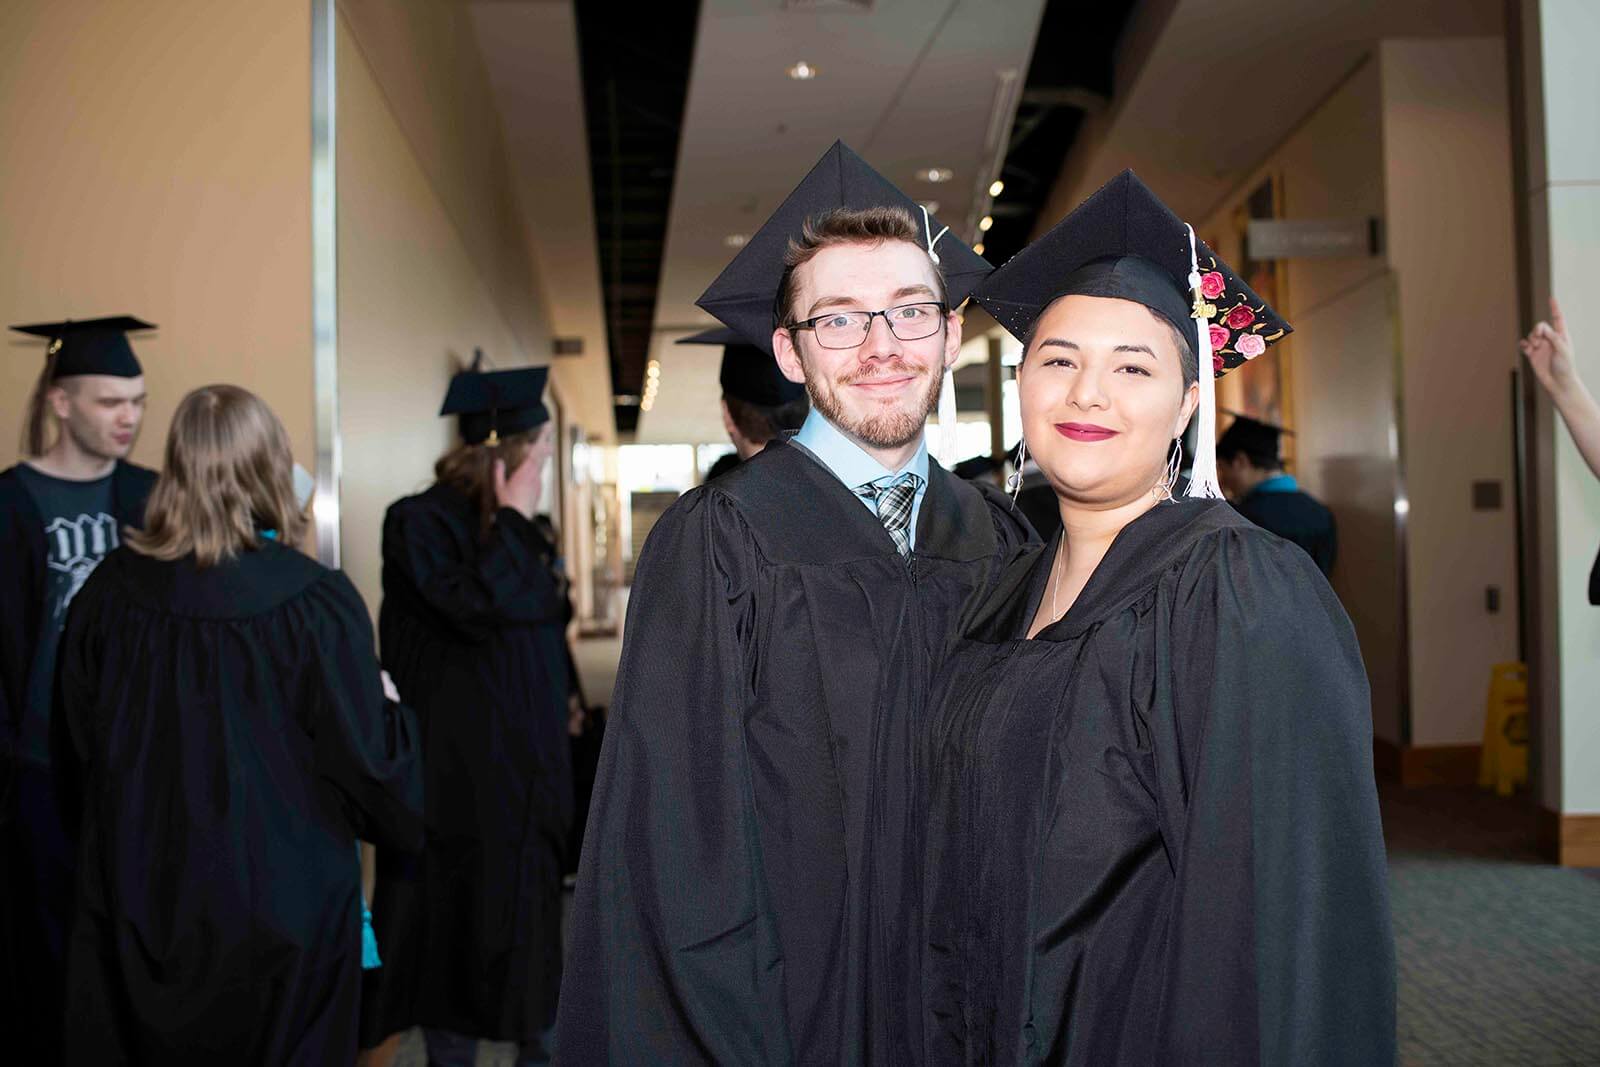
[(1499, 952)]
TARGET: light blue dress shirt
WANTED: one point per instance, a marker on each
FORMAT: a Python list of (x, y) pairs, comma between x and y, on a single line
[(855, 468)]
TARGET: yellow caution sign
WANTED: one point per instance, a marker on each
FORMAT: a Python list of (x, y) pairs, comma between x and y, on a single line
[(1504, 763)]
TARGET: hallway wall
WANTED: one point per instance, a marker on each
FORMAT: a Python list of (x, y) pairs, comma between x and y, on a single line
[(157, 156)]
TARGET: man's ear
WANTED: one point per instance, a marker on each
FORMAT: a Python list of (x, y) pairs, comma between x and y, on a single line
[(788, 355), (952, 339), (60, 401)]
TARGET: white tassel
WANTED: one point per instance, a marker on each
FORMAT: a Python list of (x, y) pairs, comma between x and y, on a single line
[(947, 420), (927, 232), (1203, 476)]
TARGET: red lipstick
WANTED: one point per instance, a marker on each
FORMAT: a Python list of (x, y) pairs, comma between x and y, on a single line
[(1084, 431)]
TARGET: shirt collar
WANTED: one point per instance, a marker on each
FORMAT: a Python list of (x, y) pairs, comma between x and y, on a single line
[(848, 461), (1278, 483)]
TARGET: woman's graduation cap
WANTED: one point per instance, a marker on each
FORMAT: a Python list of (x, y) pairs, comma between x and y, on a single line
[(749, 373), (90, 346), (745, 294), (1123, 242), (495, 403)]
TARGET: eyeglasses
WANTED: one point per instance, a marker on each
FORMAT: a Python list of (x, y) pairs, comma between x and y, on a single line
[(848, 329)]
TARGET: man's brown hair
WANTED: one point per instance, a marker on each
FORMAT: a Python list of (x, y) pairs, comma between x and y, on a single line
[(846, 226), (228, 475)]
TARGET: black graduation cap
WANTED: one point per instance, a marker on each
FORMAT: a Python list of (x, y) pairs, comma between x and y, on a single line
[(745, 294), (492, 404), (1123, 242), (1256, 439), (90, 346), (748, 373)]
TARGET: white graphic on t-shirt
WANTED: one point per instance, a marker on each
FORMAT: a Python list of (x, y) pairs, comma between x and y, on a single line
[(76, 547)]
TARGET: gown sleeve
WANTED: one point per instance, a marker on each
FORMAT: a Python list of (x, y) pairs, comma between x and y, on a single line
[(505, 581), (366, 745), (73, 702), (673, 955), (1281, 950)]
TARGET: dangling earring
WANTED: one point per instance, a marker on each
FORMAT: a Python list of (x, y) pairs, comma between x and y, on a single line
[(1014, 483), (1163, 488)]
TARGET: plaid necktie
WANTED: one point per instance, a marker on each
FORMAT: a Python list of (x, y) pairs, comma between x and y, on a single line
[(894, 508)]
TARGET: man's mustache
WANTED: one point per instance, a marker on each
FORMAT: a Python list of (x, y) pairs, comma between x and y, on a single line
[(894, 368)]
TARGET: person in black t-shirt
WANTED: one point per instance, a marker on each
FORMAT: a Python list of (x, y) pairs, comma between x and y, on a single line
[(61, 511)]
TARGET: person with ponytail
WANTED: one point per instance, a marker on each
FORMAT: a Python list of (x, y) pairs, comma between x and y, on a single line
[(62, 509), (473, 629), (222, 739), (1152, 824)]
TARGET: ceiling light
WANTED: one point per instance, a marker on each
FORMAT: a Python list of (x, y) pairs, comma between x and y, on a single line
[(802, 71), (996, 187), (936, 175), (735, 240), (984, 223), (626, 400), (978, 248), (930, 206), (652, 369)]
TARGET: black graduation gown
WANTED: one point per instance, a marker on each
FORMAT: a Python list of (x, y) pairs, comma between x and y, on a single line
[(1153, 832), (473, 632), (748, 889), (226, 736), (1296, 517), (35, 899)]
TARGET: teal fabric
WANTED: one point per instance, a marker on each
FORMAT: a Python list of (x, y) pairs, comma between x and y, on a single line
[(369, 940), (1278, 483)]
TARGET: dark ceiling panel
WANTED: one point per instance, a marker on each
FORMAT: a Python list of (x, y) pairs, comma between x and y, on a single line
[(636, 60)]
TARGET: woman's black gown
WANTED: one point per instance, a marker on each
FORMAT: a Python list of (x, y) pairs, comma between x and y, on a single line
[(1154, 832), (221, 740), (473, 632)]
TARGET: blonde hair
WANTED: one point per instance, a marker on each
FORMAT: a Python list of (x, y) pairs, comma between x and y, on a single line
[(469, 470), (228, 476)]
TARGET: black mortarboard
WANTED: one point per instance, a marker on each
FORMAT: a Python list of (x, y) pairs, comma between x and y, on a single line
[(90, 346), (1256, 439), (497, 403), (745, 294), (749, 373), (1123, 242)]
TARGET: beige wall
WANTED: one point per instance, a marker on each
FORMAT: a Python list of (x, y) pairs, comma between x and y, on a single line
[(419, 288), (1342, 362), (157, 160), (1447, 180)]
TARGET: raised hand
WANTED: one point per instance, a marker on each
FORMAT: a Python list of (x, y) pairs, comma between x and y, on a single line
[(1548, 348), (521, 489)]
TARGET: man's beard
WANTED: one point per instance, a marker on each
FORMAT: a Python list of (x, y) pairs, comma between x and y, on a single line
[(892, 428)]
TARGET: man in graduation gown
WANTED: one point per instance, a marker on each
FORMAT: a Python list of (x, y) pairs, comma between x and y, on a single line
[(749, 889), (758, 402), (62, 510), (1249, 467)]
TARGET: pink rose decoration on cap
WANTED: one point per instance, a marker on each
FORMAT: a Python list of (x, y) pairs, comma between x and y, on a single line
[(1250, 345), (1216, 362), (1212, 284), (1240, 317), (1219, 337)]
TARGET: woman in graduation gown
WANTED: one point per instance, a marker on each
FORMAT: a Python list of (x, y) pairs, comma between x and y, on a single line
[(222, 740), (1153, 833), (473, 630)]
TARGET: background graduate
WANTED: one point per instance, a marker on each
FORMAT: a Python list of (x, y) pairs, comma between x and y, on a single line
[(1250, 470), (1153, 833), (221, 725), (745, 894), (473, 630), (62, 509), (758, 402)]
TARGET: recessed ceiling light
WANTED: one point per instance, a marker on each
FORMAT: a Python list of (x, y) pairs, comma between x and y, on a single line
[(996, 187), (736, 240), (936, 175), (626, 400), (985, 222), (802, 71), (978, 248), (930, 206)]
